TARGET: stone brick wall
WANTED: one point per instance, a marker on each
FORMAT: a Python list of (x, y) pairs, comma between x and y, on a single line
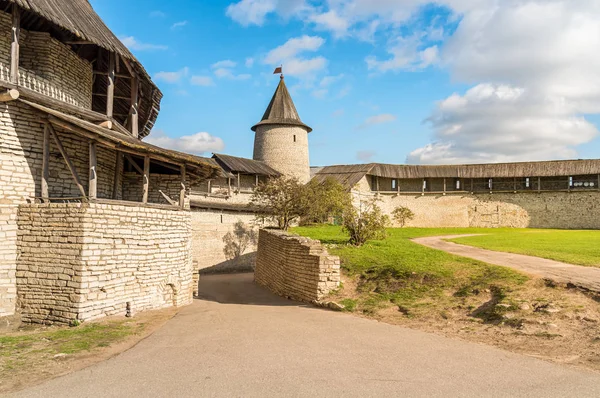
[(47, 66), (84, 261), (208, 229), (170, 184), (284, 148), (295, 267), (8, 258)]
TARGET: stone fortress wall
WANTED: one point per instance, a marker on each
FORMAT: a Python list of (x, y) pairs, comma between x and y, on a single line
[(84, 261), (545, 209), (284, 148), (295, 267)]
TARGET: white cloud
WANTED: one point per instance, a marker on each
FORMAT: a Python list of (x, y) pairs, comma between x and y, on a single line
[(325, 84), (535, 77), (171, 77), (157, 14), (198, 143), (338, 113), (331, 21), (365, 156), (378, 119), (249, 62), (406, 54), (135, 45), (178, 25), (498, 123), (223, 73), (224, 64), (293, 47), (251, 12), (290, 55), (204, 81)]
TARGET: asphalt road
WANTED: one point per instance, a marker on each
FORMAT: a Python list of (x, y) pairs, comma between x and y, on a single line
[(241, 341)]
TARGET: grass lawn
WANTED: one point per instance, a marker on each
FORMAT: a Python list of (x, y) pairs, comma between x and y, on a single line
[(574, 247), (409, 275)]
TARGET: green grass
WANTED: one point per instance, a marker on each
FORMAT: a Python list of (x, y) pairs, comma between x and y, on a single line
[(574, 247), (409, 275), (20, 349)]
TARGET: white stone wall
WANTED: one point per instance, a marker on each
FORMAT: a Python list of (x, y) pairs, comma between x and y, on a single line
[(8, 257), (208, 229), (284, 148), (47, 66), (563, 210), (84, 261)]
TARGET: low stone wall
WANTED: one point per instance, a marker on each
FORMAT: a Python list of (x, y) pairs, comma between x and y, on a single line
[(8, 258), (295, 267), (85, 261)]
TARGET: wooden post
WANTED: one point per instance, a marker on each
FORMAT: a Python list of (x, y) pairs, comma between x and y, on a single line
[(423, 187), (444, 186), (14, 46), (398, 185), (9, 95), (134, 106), (256, 180), (110, 90), (515, 183), (93, 177), (471, 185), (239, 183), (377, 182), (209, 183), (45, 163), (67, 159), (117, 182), (229, 185), (146, 179), (539, 184), (182, 192)]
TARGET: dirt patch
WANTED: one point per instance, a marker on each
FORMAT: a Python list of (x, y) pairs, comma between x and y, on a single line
[(541, 319), (34, 354)]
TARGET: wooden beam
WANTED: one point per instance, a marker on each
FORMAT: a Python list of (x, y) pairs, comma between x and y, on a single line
[(146, 179), (45, 164), (67, 159), (134, 106), (128, 66), (134, 164), (110, 90), (167, 198), (182, 192), (93, 176), (444, 186), (119, 75), (256, 180), (239, 183), (14, 45), (77, 42), (107, 124), (9, 95), (539, 184), (118, 182), (122, 97)]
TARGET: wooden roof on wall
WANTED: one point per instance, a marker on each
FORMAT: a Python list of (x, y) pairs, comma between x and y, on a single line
[(76, 20), (233, 164), (350, 175)]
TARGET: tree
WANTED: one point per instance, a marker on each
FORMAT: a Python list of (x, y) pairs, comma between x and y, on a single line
[(239, 240), (281, 200), (402, 214), (365, 223), (285, 200), (325, 199)]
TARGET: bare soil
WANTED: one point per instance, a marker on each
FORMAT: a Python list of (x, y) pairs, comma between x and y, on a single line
[(540, 319), (37, 365)]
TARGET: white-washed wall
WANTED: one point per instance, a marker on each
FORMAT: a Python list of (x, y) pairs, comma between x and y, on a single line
[(8, 258)]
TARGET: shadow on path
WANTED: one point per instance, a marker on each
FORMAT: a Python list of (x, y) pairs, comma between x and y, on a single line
[(239, 289)]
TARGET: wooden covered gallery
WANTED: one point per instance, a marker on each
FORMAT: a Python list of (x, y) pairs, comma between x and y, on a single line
[(546, 176), (93, 221)]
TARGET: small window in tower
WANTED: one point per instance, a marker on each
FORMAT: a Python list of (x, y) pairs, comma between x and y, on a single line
[(294, 137), (458, 185), (527, 183)]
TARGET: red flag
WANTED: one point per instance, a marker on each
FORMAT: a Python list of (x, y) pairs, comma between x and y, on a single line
[(279, 69)]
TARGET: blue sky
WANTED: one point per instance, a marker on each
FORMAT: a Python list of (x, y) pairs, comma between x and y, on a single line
[(378, 80)]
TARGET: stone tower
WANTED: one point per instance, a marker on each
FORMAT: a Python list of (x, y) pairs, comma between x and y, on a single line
[(281, 139)]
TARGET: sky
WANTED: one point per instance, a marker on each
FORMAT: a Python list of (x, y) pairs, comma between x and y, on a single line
[(389, 81)]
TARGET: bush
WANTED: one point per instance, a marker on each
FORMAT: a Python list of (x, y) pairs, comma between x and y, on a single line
[(365, 223), (402, 214)]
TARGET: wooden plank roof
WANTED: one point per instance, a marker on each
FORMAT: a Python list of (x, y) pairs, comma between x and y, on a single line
[(200, 166), (233, 164), (281, 110)]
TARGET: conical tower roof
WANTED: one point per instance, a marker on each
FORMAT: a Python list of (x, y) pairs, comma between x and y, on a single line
[(281, 110)]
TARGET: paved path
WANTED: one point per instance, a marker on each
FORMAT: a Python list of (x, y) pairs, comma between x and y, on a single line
[(585, 277), (241, 341)]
